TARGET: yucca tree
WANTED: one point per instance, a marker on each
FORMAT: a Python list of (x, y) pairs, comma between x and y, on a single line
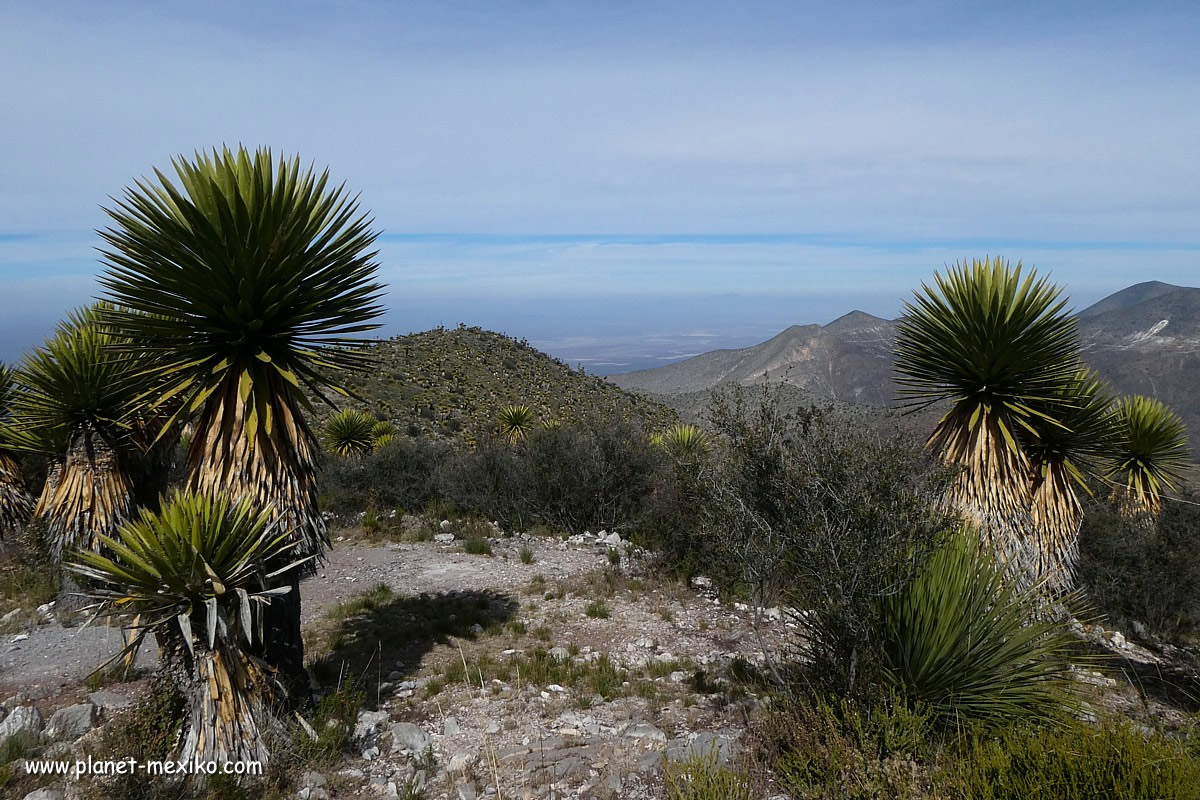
[(515, 422), (81, 407), (1003, 351), (1149, 453), (252, 280), (1071, 444), (195, 576), (350, 432), (16, 504)]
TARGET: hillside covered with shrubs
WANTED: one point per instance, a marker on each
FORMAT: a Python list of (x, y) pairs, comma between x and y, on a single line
[(453, 382)]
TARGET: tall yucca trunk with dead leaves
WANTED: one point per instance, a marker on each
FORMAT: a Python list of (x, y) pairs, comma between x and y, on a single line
[(248, 279), (81, 407)]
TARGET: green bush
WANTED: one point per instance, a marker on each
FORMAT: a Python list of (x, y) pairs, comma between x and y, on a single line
[(703, 777), (1132, 573), (836, 748), (588, 475), (818, 510), (477, 546), (965, 642), (1078, 762), (405, 473)]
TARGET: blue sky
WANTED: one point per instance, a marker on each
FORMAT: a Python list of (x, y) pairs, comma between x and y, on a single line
[(627, 182)]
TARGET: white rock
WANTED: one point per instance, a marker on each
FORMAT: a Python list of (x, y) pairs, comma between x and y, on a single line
[(71, 722), (461, 761), (444, 524), (24, 720), (369, 723), (407, 736)]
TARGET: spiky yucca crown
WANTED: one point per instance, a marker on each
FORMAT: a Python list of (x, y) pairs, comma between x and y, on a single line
[(252, 279), (1149, 453), (350, 432)]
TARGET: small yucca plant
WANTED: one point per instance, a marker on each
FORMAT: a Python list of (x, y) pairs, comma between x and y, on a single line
[(350, 432), (684, 439), (381, 429), (969, 645), (515, 422), (195, 576), (1149, 451)]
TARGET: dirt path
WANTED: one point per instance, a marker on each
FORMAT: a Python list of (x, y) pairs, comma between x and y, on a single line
[(51, 658)]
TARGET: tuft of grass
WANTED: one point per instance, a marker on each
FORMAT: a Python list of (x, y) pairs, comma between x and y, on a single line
[(334, 723), (703, 777), (543, 632), (433, 687), (526, 555), (598, 609), (614, 557), (517, 627), (477, 546), (666, 614)]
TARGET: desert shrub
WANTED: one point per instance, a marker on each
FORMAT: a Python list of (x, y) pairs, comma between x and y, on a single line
[(969, 645), (1150, 575), (1075, 762), (477, 546), (822, 512), (405, 473), (703, 777), (590, 474), (149, 731), (823, 748), (672, 522)]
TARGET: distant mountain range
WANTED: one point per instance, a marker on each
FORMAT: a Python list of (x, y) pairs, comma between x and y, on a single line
[(1143, 340)]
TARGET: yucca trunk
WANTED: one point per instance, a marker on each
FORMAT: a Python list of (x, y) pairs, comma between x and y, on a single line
[(86, 494), (16, 504), (991, 490), (228, 694), (270, 460), (1057, 516)]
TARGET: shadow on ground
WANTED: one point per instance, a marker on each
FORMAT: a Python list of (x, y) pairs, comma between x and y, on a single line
[(380, 633)]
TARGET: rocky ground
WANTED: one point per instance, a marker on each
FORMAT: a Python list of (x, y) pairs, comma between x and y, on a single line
[(545, 669), (573, 675)]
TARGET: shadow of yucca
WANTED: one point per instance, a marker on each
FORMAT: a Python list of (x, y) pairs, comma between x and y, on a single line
[(378, 633)]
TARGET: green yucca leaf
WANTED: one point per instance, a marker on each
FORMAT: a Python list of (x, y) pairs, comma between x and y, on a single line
[(350, 432), (381, 429), (1149, 452), (969, 645), (82, 377)]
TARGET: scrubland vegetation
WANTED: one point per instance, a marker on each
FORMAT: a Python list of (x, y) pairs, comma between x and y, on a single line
[(937, 589)]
